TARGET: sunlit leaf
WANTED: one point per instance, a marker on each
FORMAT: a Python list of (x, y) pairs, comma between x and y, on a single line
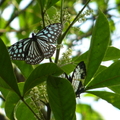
[(112, 98), (40, 74), (108, 77), (99, 43)]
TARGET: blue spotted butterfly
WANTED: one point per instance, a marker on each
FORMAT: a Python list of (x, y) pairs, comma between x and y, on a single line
[(77, 78), (33, 50)]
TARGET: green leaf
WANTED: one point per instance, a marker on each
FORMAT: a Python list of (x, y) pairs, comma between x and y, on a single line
[(25, 68), (11, 101), (4, 92), (68, 68), (100, 69), (42, 4), (3, 84), (22, 112), (6, 71), (51, 3), (91, 114), (61, 98), (112, 53), (82, 57), (112, 98), (108, 77), (99, 43), (115, 88), (22, 22), (52, 12), (21, 87), (3, 21), (40, 74)]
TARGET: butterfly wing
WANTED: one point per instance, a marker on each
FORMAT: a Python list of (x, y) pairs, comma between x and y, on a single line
[(50, 33), (47, 36), (34, 50), (34, 54), (18, 50), (47, 49), (78, 77), (26, 50)]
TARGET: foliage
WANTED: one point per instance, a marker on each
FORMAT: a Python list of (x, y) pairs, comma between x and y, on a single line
[(42, 87)]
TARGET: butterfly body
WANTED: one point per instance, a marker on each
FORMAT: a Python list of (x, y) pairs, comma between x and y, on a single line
[(33, 50)]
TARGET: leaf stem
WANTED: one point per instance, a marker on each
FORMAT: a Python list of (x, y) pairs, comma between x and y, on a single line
[(30, 109)]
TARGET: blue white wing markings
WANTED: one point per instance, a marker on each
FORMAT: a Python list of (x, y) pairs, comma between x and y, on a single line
[(77, 78), (34, 50)]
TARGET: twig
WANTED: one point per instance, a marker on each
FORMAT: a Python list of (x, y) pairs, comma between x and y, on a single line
[(62, 37)]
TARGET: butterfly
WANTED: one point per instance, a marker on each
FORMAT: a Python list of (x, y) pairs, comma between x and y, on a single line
[(77, 78), (33, 50)]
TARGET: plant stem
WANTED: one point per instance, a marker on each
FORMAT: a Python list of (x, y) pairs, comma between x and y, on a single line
[(42, 12), (48, 111), (61, 19), (30, 108), (62, 37), (61, 12), (75, 19)]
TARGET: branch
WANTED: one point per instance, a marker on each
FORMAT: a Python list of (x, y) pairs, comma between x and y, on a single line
[(75, 19)]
